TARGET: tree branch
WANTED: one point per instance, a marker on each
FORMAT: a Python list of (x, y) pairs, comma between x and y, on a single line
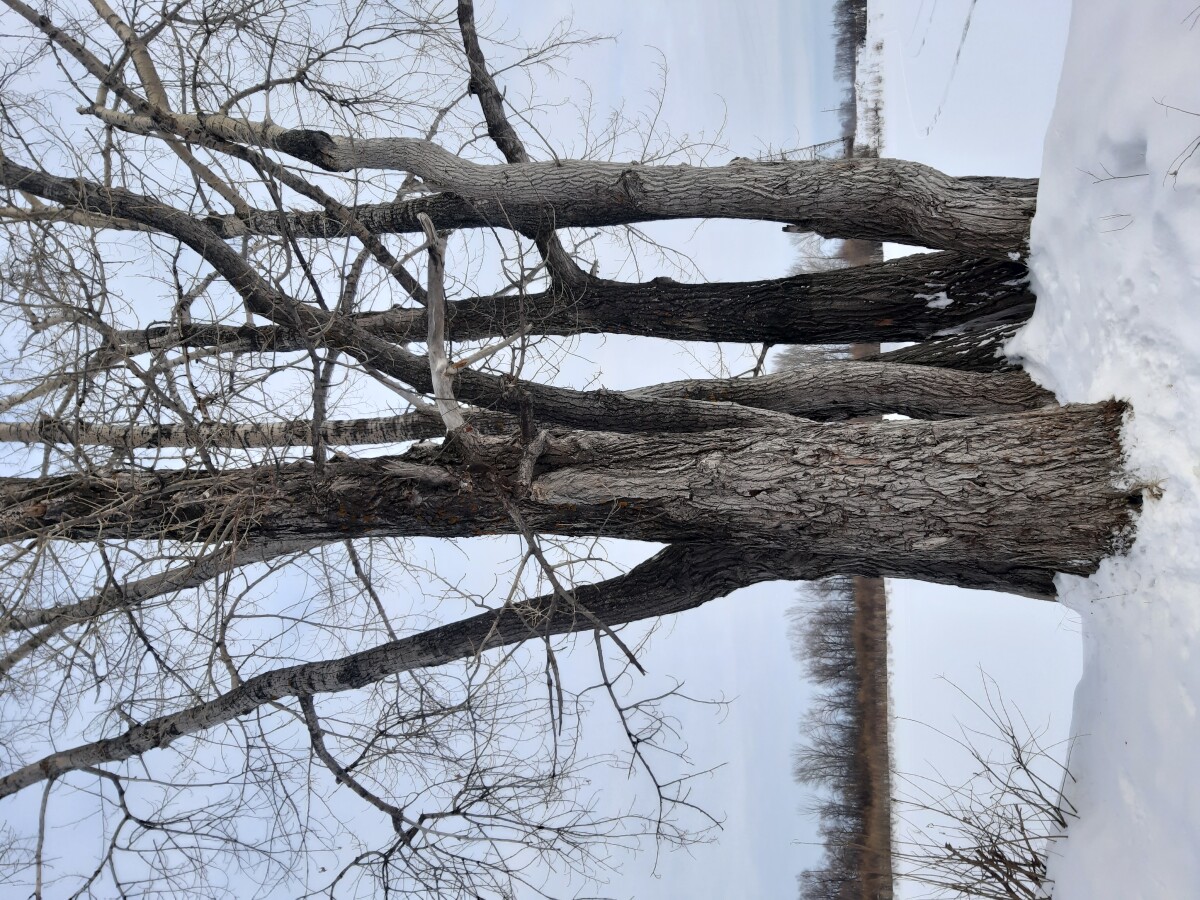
[(914, 490), (554, 405), (51, 621), (907, 299), (676, 579)]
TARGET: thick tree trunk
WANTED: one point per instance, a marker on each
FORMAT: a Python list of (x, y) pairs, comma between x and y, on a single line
[(820, 392), (907, 299), (867, 199), (1037, 490), (861, 198), (609, 410), (846, 390)]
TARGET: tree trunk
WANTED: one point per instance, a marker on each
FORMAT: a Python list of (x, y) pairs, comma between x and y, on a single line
[(867, 199), (907, 299), (846, 390), (972, 350), (819, 391), (1038, 490), (863, 198)]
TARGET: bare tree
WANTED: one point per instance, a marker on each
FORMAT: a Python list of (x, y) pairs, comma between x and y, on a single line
[(989, 836), (227, 224)]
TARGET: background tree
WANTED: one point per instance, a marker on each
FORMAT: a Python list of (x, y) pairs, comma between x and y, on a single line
[(252, 213), (839, 631)]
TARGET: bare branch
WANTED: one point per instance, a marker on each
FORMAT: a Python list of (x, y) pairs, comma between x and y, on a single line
[(677, 578)]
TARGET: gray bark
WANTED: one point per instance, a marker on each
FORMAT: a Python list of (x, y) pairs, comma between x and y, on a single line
[(866, 199), (971, 350), (819, 391), (845, 390), (677, 579), (414, 426), (862, 198), (1026, 188), (600, 409), (1038, 489), (907, 299), (559, 405)]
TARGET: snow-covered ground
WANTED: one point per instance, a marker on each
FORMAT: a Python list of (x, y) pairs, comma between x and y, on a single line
[(1116, 260)]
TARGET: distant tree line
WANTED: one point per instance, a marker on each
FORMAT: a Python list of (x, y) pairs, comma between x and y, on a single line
[(849, 34), (839, 632)]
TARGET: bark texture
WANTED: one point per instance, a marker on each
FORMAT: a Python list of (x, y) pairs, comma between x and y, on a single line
[(818, 391), (972, 350), (860, 198), (1037, 490), (846, 390), (906, 299), (866, 199)]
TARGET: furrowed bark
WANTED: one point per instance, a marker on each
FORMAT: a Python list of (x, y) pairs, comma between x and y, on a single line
[(1026, 188), (906, 299), (819, 391), (600, 409), (973, 350), (583, 409), (865, 199), (676, 579), (1038, 489), (845, 390), (859, 198)]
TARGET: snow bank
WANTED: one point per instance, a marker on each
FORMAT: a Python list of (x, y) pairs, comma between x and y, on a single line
[(1116, 261)]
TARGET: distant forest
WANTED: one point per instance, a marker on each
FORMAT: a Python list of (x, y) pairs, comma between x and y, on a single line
[(849, 36), (839, 631)]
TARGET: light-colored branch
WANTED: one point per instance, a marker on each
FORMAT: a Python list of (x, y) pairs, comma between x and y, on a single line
[(871, 199), (51, 214), (411, 426), (439, 364), (156, 94), (491, 350)]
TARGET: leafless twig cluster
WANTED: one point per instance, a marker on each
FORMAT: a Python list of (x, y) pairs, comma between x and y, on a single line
[(990, 836)]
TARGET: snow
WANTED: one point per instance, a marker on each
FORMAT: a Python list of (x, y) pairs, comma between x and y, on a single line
[(1116, 268), (940, 300)]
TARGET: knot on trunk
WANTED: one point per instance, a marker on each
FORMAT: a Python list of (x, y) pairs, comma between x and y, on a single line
[(310, 145)]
